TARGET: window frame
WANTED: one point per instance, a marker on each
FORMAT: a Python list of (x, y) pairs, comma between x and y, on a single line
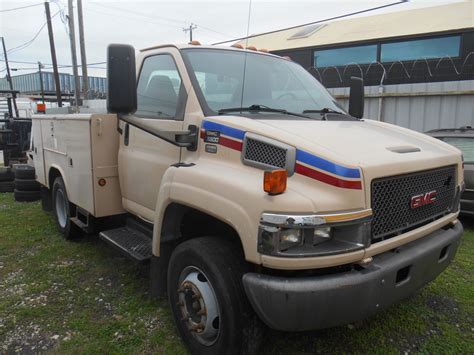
[(182, 95)]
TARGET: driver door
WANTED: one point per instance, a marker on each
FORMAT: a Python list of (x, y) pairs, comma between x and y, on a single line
[(144, 158)]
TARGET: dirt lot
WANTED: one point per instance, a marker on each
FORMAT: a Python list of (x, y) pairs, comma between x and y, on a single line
[(65, 297)]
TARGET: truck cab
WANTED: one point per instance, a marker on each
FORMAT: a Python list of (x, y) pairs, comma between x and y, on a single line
[(255, 197)]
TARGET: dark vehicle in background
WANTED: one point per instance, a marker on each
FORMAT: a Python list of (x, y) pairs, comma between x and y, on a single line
[(463, 139)]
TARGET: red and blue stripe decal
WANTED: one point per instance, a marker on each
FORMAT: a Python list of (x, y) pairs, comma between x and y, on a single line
[(307, 164)]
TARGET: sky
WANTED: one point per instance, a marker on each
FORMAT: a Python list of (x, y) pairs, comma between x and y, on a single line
[(147, 23)]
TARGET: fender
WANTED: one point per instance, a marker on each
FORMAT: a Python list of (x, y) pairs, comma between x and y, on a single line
[(210, 186), (63, 175)]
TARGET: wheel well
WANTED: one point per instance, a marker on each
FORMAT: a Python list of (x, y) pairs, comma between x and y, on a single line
[(183, 222), (53, 174)]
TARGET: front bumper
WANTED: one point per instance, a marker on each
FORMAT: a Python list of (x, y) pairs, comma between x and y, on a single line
[(305, 303)]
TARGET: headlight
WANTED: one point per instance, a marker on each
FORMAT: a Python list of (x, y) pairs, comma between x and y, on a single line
[(290, 238), (303, 236), (321, 235)]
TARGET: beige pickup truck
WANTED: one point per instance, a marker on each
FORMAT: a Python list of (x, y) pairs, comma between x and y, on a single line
[(254, 196)]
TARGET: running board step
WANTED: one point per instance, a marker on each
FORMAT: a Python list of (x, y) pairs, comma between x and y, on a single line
[(130, 242)]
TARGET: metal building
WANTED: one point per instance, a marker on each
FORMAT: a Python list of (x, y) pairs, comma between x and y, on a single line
[(31, 84), (418, 64)]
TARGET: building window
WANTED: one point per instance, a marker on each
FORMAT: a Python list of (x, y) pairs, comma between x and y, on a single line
[(344, 56), (421, 49)]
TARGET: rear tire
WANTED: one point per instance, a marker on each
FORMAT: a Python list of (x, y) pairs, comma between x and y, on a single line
[(62, 210), (207, 299)]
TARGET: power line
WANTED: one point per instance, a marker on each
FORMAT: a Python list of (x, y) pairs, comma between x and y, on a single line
[(19, 8), (128, 18), (181, 22), (315, 22), (30, 42), (217, 32), (191, 27)]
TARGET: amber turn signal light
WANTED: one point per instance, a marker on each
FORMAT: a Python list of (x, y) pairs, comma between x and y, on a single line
[(274, 182)]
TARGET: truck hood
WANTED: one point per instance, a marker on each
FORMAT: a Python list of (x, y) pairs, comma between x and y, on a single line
[(379, 149)]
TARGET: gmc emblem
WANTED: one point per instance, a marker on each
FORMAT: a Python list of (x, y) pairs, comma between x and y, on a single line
[(423, 199)]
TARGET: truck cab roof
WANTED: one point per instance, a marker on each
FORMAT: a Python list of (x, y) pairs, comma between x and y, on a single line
[(200, 46)]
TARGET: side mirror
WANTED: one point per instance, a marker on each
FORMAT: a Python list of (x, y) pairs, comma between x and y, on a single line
[(121, 79), (356, 97)]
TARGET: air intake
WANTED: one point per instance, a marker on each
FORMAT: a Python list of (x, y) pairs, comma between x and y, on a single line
[(266, 153)]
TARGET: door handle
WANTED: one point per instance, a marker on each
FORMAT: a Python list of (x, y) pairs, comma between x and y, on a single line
[(126, 134)]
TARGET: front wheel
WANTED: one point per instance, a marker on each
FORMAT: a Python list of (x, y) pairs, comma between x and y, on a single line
[(209, 305)]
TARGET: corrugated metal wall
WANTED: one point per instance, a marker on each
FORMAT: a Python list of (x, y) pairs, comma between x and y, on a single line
[(30, 83), (421, 107)]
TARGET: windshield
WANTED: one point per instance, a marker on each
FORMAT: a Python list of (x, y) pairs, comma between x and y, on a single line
[(268, 81)]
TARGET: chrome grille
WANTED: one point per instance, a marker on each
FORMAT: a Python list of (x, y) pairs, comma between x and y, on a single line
[(261, 152), (391, 197)]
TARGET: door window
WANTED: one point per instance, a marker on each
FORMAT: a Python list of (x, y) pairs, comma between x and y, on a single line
[(159, 88)]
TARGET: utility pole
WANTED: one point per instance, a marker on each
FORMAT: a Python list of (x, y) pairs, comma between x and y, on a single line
[(85, 80), (190, 29), (57, 84), (72, 38), (9, 78), (41, 66)]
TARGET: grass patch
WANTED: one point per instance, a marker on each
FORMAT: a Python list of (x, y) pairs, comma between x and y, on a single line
[(81, 297)]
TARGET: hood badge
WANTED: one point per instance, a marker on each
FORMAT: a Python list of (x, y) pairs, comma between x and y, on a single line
[(423, 199)]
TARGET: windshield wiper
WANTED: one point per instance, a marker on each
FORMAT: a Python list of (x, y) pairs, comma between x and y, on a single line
[(325, 110), (260, 108)]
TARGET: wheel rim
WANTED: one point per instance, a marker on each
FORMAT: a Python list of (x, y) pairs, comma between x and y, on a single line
[(198, 305), (61, 209)]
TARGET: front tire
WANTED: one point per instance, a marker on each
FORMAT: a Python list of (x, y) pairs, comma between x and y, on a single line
[(208, 302), (62, 210)]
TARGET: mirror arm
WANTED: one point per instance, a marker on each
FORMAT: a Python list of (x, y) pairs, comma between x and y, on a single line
[(186, 139)]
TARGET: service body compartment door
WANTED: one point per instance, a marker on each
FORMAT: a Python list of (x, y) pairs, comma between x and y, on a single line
[(67, 148), (38, 157), (105, 146)]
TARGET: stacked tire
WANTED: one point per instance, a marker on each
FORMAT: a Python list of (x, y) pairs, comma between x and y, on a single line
[(27, 189), (6, 180)]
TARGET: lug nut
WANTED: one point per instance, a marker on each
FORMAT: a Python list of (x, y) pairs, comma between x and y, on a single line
[(202, 312)]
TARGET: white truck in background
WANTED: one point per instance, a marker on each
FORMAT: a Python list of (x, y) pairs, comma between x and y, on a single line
[(255, 197)]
